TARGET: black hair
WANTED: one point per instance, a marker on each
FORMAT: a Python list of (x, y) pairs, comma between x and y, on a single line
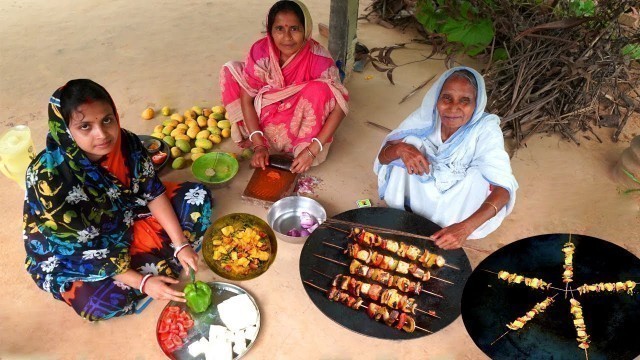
[(283, 6), (81, 91), (467, 75)]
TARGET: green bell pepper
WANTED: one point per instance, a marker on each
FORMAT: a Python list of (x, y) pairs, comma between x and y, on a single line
[(198, 296)]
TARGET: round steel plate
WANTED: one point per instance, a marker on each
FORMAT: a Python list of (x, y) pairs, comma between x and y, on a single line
[(220, 292), (448, 308), (612, 319)]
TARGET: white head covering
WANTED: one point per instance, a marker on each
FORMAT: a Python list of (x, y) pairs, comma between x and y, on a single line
[(447, 166)]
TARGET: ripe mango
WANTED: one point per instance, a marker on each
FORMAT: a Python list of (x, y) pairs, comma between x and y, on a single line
[(168, 129), (177, 131), (197, 150), (157, 135), (165, 111), (203, 134), (214, 130), (182, 137), (178, 163), (226, 133), (202, 121), (197, 110), (169, 140), (191, 123), (206, 112), (224, 124), (212, 122), (168, 122), (218, 116), (183, 145), (193, 131), (195, 156), (190, 114), (177, 117), (158, 128), (148, 114), (175, 152), (219, 109), (215, 138), (204, 143)]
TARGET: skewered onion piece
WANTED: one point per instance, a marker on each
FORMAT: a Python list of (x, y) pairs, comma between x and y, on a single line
[(538, 308), (578, 322), (627, 286), (518, 279)]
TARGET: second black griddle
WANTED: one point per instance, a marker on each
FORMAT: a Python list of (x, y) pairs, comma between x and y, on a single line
[(612, 319)]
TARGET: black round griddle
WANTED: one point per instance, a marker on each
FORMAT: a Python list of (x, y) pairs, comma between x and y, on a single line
[(612, 319), (448, 308)]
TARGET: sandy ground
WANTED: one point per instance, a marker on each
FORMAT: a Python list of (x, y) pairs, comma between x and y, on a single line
[(169, 53)]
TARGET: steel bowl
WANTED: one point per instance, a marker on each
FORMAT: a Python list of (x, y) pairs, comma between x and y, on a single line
[(285, 213)]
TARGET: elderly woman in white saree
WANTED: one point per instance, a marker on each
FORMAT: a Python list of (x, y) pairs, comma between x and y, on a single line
[(447, 162)]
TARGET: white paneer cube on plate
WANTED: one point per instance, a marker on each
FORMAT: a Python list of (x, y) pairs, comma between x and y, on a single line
[(219, 349), (238, 312)]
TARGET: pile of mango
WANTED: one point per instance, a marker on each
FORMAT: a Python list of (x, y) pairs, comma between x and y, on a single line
[(193, 133)]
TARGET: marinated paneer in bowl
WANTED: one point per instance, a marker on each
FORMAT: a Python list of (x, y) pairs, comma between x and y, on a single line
[(239, 246)]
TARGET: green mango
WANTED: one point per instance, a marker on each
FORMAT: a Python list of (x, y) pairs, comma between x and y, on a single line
[(183, 145)]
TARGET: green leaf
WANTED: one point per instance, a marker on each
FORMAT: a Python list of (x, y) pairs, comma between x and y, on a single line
[(500, 54), (632, 50), (475, 37)]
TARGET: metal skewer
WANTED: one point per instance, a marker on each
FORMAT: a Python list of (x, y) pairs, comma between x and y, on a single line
[(430, 276), (325, 290), (550, 287), (347, 232), (391, 231), (343, 264), (503, 335), (419, 310)]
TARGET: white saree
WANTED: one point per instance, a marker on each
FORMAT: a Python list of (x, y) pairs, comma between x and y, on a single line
[(461, 171)]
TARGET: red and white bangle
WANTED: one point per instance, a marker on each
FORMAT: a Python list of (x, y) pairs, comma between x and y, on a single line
[(179, 248), (144, 281)]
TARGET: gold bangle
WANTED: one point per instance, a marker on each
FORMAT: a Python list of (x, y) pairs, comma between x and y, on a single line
[(494, 207)]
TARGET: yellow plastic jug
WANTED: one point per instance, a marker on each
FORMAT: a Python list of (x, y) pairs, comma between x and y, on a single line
[(16, 152)]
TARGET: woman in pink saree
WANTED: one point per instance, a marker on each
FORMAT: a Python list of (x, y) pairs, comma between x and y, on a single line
[(287, 95)]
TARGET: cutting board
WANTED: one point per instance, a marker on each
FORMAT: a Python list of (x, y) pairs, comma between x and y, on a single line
[(273, 183)]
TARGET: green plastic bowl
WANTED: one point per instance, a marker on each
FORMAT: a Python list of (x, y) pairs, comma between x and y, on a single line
[(215, 168)]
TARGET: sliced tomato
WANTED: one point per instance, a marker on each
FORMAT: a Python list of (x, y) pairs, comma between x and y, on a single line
[(164, 336), (164, 328), (177, 341), (169, 345), (182, 334), (173, 309), (188, 324)]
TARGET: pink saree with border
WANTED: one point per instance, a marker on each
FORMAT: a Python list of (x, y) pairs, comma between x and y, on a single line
[(292, 101)]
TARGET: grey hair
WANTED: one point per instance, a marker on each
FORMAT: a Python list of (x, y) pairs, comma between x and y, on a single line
[(465, 74)]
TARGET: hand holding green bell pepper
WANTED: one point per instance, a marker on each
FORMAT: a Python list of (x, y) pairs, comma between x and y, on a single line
[(198, 296)]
